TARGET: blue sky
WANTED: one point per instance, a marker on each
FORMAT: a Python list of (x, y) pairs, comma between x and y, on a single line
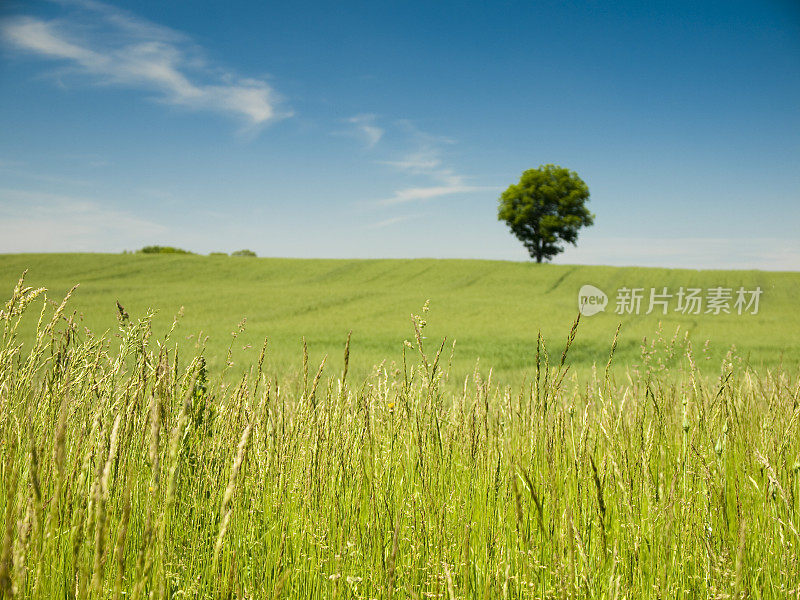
[(389, 129)]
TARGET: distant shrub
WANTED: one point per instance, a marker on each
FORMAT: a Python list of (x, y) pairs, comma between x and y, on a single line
[(163, 250), (244, 253)]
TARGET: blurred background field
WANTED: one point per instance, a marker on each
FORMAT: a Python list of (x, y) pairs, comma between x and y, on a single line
[(492, 309)]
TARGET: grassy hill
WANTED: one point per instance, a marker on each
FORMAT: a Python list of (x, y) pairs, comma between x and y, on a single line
[(492, 309)]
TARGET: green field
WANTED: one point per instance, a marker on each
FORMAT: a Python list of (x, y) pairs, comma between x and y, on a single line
[(127, 471), (493, 310)]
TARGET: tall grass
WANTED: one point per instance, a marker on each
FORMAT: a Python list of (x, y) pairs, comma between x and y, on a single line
[(129, 471)]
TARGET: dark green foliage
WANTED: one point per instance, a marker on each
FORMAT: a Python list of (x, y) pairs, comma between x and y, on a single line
[(546, 207), (244, 253), (163, 250)]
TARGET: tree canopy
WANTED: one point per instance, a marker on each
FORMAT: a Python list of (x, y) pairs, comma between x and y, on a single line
[(163, 250), (546, 207)]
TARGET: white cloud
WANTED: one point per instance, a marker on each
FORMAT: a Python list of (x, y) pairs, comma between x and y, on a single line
[(421, 161), (425, 161), (113, 47), (413, 194), (365, 129), (391, 221), (32, 221)]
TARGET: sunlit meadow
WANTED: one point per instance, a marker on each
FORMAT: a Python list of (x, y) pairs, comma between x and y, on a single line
[(130, 469)]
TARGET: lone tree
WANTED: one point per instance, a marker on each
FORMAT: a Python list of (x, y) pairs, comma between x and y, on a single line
[(546, 207)]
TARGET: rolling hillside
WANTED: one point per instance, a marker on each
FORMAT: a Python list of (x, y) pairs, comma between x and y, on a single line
[(492, 309)]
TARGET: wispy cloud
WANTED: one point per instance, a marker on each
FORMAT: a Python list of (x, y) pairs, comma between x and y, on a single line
[(391, 221), (413, 194), (18, 170), (114, 47), (419, 162), (364, 128), (34, 221), (93, 161), (425, 161)]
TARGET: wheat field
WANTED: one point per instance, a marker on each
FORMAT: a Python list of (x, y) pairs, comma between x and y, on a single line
[(129, 469)]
